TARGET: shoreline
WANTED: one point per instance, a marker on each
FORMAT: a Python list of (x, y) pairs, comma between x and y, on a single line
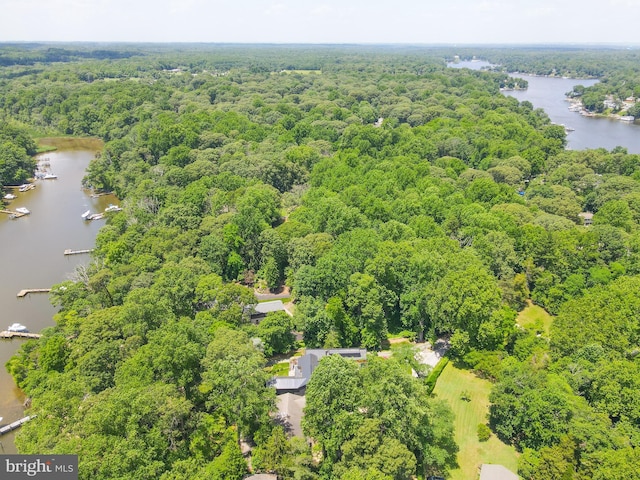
[(49, 144), (577, 107), (45, 265)]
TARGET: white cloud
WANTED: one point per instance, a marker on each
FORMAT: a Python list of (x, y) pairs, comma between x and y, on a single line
[(541, 11), (184, 6), (323, 10), (276, 9), (490, 6), (625, 3)]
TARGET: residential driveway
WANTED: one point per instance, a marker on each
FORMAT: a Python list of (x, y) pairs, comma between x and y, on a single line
[(431, 354), (284, 294)]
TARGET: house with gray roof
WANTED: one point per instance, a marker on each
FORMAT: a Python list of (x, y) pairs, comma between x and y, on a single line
[(301, 368), (290, 412), (261, 309)]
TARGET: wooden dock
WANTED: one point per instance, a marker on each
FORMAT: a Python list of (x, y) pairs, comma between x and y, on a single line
[(25, 292), (13, 214), (14, 425), (8, 334), (68, 251)]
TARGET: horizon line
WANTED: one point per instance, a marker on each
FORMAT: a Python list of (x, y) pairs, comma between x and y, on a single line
[(381, 44)]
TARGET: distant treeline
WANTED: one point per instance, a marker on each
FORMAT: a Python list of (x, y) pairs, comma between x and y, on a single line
[(30, 54)]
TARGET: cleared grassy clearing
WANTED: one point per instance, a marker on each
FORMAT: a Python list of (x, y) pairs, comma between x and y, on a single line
[(468, 414), (535, 317)]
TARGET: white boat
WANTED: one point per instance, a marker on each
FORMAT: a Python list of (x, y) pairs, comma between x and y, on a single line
[(50, 176), (112, 208), (95, 216), (23, 210), (86, 214), (26, 186), (17, 327), (10, 196)]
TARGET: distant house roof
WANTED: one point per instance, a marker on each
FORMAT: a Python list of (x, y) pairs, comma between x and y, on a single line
[(288, 383), (259, 311), (587, 217), (268, 307), (496, 472), (357, 353)]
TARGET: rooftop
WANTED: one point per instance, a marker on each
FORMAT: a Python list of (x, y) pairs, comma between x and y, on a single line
[(496, 472), (290, 411), (301, 368), (267, 307)]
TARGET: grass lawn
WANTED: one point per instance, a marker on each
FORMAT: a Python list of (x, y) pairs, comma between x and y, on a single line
[(468, 414), (536, 317), (280, 369)]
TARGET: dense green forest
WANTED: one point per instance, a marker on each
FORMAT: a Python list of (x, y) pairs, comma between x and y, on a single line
[(246, 166), (16, 154)]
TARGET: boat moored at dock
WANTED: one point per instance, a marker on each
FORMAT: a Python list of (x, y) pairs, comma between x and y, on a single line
[(17, 327), (12, 426), (112, 208)]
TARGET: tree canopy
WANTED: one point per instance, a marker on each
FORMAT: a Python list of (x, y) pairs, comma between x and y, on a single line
[(392, 195)]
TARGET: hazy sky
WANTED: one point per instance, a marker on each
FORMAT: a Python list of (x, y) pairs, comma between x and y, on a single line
[(323, 21)]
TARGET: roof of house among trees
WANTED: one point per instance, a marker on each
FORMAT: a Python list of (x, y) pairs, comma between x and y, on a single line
[(267, 307), (496, 472), (301, 368)]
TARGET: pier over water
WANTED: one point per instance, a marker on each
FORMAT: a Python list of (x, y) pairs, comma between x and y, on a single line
[(16, 424), (8, 334), (26, 291)]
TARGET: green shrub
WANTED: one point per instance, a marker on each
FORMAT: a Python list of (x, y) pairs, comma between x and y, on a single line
[(407, 334), (431, 380), (485, 364), (484, 432)]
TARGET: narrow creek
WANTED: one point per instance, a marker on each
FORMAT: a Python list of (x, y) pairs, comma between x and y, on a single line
[(32, 256)]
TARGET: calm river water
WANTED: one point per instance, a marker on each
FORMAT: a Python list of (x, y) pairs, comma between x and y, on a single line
[(589, 132), (31, 256)]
